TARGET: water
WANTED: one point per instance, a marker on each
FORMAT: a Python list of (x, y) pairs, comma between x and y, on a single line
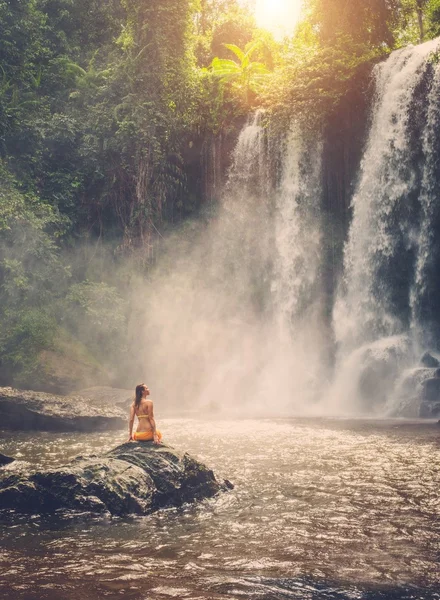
[(234, 311), (424, 306), (391, 256), (257, 317), (408, 390), (383, 228), (321, 509)]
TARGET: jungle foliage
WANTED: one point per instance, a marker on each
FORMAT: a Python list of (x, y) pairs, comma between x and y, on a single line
[(106, 110)]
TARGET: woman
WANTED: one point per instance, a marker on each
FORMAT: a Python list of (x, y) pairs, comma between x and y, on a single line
[(143, 410)]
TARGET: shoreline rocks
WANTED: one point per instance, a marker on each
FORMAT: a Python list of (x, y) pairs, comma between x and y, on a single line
[(5, 460), (37, 411), (104, 396), (134, 478), (429, 361)]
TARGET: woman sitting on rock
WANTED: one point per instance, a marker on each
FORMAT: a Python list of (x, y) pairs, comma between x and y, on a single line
[(143, 410)]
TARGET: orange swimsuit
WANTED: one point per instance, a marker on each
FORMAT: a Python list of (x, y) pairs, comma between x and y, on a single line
[(145, 436)]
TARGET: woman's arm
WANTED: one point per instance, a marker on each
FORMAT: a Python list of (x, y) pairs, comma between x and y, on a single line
[(152, 422), (130, 424)]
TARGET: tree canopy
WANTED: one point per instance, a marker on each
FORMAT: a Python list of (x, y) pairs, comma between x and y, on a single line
[(107, 109)]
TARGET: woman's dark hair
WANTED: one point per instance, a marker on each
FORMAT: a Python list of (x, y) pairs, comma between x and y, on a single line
[(138, 394)]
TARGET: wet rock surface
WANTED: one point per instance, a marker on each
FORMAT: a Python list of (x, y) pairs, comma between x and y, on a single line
[(134, 478), (5, 460), (430, 405), (430, 410), (429, 361), (38, 411), (382, 362), (104, 396)]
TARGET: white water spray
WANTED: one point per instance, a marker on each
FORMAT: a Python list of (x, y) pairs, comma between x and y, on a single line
[(233, 318), (373, 307)]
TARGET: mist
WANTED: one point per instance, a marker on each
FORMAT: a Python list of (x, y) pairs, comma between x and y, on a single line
[(231, 317)]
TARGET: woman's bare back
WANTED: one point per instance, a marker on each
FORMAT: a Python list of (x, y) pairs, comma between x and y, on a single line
[(144, 413)]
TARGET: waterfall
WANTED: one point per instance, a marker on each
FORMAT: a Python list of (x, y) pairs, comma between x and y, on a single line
[(424, 301), (297, 290), (274, 234), (384, 292), (238, 308), (298, 228), (235, 307)]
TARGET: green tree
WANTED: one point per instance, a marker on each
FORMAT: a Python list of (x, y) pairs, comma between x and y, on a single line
[(368, 22), (245, 73)]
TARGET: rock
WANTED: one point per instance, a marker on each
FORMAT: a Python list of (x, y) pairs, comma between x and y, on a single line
[(431, 389), (407, 394), (430, 397), (429, 410), (27, 410), (105, 396), (429, 361), (381, 361), (430, 405), (5, 460), (134, 478)]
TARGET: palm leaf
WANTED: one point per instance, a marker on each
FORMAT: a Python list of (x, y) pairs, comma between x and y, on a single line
[(236, 50), (222, 66), (250, 49)]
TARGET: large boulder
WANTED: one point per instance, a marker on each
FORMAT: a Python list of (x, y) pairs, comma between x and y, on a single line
[(429, 361), (376, 367), (429, 410), (407, 394), (134, 478), (430, 406), (27, 410)]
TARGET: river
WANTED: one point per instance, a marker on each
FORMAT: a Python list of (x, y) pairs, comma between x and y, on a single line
[(322, 508)]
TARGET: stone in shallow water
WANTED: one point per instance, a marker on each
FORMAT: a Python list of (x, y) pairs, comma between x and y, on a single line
[(5, 460), (430, 406), (429, 361), (37, 411), (134, 478)]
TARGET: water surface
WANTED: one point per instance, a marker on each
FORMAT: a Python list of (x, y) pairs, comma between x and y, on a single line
[(321, 509)]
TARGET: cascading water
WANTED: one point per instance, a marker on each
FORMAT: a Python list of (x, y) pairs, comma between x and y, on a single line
[(235, 311), (424, 300), (298, 229), (298, 298), (388, 254)]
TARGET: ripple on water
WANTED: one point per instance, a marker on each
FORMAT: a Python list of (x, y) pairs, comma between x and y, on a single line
[(315, 502)]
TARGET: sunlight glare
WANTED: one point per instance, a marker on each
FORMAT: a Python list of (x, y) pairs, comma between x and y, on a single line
[(278, 16)]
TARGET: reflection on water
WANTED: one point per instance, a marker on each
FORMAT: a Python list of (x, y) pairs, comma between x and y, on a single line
[(320, 509)]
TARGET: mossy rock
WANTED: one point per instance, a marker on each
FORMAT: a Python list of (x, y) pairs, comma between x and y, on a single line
[(134, 478)]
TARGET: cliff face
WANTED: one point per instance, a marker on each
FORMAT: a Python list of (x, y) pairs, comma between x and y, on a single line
[(345, 135)]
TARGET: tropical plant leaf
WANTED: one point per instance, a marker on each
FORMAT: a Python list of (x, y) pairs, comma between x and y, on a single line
[(236, 50), (222, 66)]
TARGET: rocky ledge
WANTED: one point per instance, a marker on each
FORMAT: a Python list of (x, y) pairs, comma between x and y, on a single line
[(5, 460), (134, 478), (27, 410)]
